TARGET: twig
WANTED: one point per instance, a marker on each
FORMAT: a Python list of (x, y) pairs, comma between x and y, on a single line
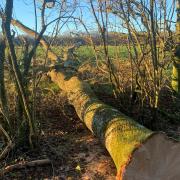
[(6, 150), (22, 165)]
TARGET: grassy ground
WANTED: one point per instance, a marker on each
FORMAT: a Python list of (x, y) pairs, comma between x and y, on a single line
[(115, 52), (85, 53)]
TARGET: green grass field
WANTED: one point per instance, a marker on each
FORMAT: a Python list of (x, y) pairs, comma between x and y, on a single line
[(85, 53), (115, 52)]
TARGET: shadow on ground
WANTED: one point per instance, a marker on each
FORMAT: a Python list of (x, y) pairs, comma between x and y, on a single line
[(75, 153)]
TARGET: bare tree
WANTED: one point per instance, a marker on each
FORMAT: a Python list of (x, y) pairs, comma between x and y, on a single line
[(26, 123), (150, 46), (102, 23)]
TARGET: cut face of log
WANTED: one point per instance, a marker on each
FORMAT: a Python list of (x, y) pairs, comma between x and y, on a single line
[(138, 153), (157, 159)]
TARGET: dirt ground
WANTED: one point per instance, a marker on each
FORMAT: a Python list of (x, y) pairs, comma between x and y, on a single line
[(74, 152)]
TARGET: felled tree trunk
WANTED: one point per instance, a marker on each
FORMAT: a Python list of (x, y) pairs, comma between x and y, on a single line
[(138, 153)]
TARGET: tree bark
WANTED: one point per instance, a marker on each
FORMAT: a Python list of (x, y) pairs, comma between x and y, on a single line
[(138, 153), (32, 33), (176, 66), (6, 22), (3, 98)]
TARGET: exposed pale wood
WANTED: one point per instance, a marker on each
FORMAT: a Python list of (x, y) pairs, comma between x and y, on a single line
[(157, 159)]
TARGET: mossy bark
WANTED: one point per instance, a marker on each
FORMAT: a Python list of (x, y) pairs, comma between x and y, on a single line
[(119, 133), (3, 98), (176, 66), (176, 77)]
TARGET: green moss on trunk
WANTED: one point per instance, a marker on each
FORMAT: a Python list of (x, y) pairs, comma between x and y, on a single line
[(120, 134)]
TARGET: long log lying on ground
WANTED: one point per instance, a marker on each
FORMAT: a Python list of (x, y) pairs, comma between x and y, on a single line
[(138, 153)]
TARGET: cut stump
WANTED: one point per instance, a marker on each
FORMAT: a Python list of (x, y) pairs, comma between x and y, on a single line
[(158, 158)]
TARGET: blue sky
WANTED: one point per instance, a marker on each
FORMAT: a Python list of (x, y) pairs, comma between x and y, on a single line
[(24, 11)]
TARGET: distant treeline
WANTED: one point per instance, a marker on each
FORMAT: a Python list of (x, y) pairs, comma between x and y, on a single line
[(113, 39), (84, 39)]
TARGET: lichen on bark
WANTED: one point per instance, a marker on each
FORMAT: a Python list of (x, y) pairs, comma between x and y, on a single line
[(120, 134)]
